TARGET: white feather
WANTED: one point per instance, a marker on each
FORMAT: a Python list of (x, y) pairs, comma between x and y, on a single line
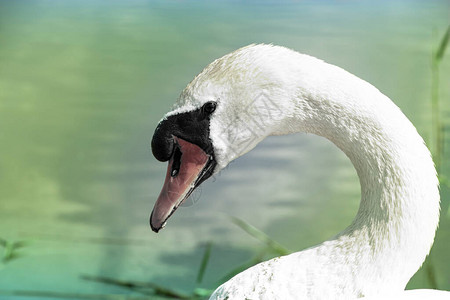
[(265, 90)]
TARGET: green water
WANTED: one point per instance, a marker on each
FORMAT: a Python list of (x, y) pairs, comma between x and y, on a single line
[(83, 85)]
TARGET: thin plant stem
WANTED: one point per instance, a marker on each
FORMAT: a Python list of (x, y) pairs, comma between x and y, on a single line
[(139, 286), (204, 262), (61, 295), (437, 132), (258, 234)]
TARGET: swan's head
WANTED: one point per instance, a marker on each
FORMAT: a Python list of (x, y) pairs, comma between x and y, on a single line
[(222, 114)]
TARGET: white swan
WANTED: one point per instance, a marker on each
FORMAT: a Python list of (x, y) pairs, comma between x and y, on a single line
[(263, 90)]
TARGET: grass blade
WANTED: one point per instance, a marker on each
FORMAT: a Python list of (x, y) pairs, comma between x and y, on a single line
[(157, 289), (204, 262), (203, 293), (258, 234), (443, 45), (10, 249), (62, 295), (431, 274)]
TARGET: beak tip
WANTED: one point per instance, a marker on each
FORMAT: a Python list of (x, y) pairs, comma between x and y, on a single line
[(155, 229)]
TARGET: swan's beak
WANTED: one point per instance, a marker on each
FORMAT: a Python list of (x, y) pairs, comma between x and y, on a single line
[(188, 167)]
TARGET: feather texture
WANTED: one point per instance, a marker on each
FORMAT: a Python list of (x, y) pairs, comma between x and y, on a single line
[(264, 90)]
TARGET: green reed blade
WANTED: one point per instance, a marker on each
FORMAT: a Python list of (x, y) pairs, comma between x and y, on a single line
[(157, 289), (258, 234), (204, 263), (443, 45)]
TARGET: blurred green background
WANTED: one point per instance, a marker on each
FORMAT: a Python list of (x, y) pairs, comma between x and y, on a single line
[(83, 85)]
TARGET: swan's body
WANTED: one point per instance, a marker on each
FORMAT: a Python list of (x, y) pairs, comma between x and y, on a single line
[(263, 90)]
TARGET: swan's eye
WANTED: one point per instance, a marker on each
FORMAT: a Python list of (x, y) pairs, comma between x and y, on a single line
[(208, 108)]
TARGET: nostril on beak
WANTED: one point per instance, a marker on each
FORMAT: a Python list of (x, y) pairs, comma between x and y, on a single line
[(176, 164)]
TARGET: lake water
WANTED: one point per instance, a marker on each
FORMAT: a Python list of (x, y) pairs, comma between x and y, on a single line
[(83, 85)]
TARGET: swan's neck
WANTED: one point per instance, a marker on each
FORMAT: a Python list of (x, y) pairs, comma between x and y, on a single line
[(395, 225)]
